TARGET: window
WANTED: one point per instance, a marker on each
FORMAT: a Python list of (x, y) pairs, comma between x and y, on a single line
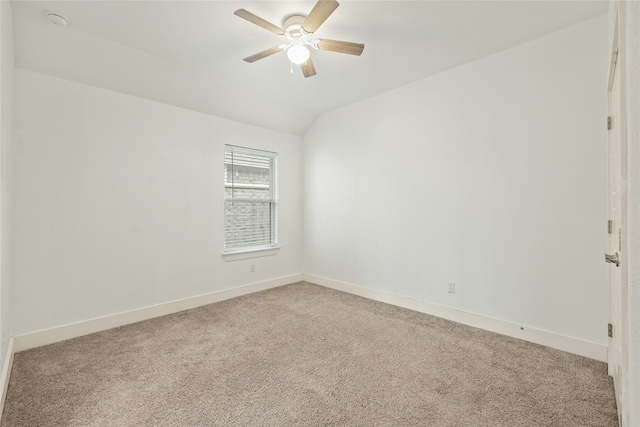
[(250, 199)]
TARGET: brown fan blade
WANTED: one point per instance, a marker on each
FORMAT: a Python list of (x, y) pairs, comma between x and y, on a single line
[(308, 69), (341, 47), (263, 54), (245, 14), (319, 14)]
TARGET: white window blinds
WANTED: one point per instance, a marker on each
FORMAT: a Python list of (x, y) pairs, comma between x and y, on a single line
[(250, 198)]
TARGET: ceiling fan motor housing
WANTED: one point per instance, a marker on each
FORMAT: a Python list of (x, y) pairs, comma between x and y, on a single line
[(293, 23)]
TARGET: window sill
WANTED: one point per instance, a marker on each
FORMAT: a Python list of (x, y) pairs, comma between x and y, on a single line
[(249, 253)]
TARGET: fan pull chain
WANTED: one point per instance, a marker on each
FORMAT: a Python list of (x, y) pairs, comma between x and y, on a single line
[(291, 63)]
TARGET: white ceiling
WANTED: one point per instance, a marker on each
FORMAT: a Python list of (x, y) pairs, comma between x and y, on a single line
[(189, 53)]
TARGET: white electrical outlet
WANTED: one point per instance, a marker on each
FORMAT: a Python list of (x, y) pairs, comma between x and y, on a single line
[(252, 268), (452, 288)]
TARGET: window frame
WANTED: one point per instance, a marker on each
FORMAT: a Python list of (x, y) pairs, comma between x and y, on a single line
[(258, 250)]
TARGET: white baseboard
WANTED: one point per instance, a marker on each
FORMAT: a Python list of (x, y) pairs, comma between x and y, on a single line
[(537, 336), (6, 374), (65, 332)]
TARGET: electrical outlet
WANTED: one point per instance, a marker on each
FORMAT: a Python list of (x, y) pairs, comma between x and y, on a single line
[(452, 288), (252, 268)]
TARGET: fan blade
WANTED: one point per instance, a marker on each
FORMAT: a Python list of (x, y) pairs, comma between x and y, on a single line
[(245, 14), (319, 14), (263, 54), (341, 47), (308, 69)]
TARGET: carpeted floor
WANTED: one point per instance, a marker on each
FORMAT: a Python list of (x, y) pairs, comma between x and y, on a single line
[(304, 355)]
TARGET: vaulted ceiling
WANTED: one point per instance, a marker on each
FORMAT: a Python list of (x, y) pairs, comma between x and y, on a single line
[(189, 53)]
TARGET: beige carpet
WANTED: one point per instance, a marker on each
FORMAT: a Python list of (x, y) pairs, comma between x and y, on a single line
[(303, 355)]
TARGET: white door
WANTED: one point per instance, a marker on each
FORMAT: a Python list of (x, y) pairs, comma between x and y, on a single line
[(616, 253)]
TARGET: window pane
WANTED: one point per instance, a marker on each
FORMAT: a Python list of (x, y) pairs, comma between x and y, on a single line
[(244, 192), (247, 175), (248, 224)]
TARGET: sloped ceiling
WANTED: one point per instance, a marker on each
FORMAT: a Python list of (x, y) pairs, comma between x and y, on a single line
[(189, 53)]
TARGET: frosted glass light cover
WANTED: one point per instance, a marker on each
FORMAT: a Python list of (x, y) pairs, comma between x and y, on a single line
[(298, 54)]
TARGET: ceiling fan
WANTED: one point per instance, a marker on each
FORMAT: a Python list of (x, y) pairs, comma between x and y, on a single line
[(299, 29)]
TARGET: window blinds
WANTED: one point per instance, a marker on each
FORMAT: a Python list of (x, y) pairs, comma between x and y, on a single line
[(250, 198)]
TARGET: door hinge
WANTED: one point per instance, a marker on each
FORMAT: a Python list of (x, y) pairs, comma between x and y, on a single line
[(610, 227), (610, 330), (609, 123)]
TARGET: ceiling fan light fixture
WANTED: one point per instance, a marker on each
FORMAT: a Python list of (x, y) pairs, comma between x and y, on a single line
[(298, 54), (299, 29)]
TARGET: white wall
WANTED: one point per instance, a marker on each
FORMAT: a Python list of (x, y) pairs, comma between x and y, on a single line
[(490, 175), (6, 132), (120, 203), (633, 158)]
